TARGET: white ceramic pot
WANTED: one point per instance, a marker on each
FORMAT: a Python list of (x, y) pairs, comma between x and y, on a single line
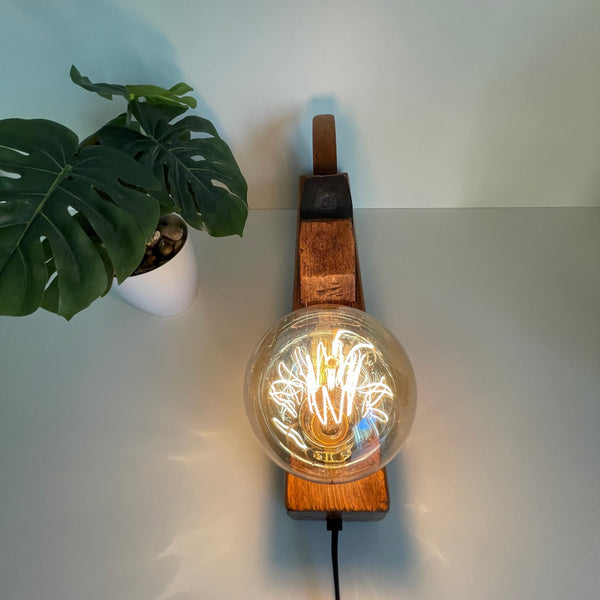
[(168, 289)]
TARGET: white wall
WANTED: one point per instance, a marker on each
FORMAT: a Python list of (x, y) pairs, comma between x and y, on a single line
[(438, 103), (128, 470)]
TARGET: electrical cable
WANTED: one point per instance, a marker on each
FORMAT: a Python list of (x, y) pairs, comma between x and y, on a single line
[(334, 524)]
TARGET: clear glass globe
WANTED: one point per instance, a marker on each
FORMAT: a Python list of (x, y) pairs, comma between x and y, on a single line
[(330, 394)]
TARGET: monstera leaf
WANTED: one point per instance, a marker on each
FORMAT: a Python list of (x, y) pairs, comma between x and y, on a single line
[(199, 172), (152, 93), (70, 218)]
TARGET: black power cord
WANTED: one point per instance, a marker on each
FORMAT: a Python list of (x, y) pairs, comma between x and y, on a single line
[(334, 524)]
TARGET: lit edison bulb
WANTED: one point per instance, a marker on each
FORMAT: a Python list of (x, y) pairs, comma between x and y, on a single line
[(330, 394)]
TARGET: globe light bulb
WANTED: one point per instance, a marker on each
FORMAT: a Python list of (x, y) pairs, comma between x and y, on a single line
[(330, 394)]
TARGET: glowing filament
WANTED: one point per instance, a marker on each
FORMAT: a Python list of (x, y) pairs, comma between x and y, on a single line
[(335, 384)]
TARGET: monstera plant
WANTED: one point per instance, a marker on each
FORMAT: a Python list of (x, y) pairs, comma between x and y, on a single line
[(76, 215)]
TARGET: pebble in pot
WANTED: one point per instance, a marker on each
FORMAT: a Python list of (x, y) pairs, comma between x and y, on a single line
[(164, 245)]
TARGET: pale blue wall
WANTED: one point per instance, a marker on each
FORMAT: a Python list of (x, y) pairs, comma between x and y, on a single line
[(463, 103)]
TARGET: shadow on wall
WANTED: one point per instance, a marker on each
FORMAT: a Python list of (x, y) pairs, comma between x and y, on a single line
[(380, 550), (275, 184), (103, 39)]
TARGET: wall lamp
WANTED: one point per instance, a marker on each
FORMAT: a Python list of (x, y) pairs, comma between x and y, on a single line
[(330, 393)]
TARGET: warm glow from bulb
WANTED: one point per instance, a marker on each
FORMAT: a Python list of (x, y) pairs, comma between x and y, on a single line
[(330, 393), (333, 383)]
